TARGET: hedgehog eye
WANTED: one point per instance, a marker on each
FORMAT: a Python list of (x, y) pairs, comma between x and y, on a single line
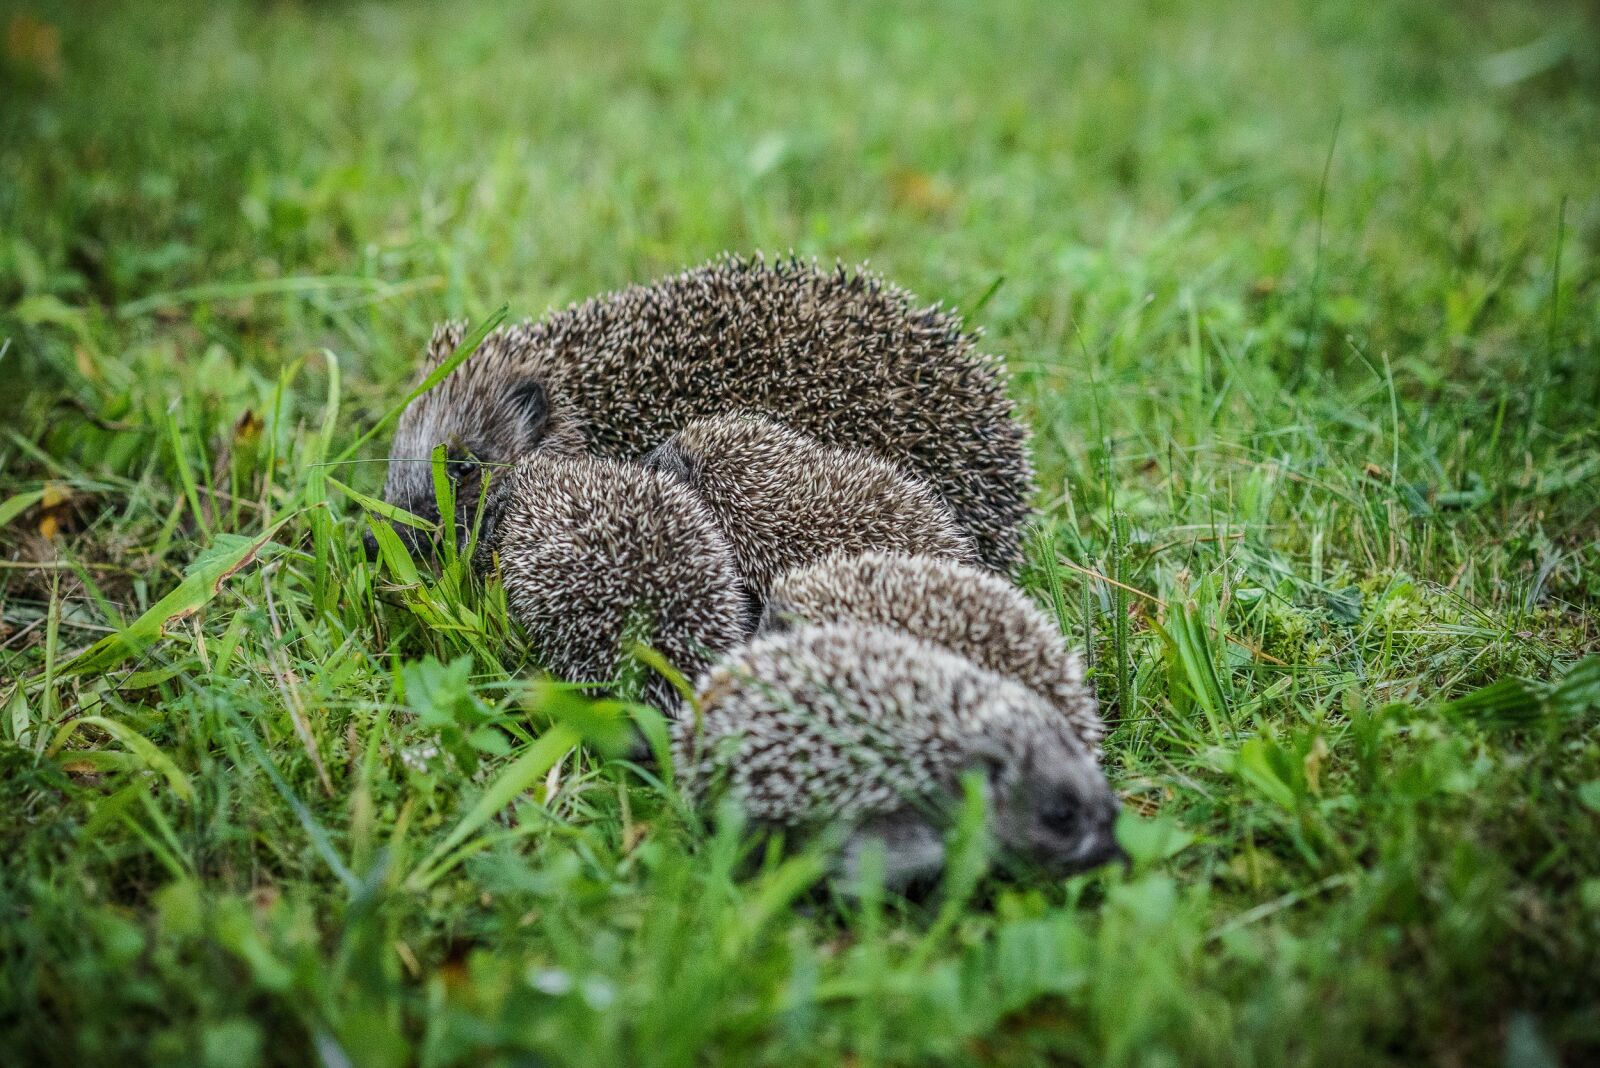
[(458, 467), (1062, 816)]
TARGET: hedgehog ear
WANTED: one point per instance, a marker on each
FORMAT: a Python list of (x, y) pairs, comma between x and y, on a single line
[(669, 459), (532, 400)]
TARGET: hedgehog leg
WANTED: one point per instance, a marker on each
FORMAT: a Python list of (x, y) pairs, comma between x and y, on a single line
[(912, 851)]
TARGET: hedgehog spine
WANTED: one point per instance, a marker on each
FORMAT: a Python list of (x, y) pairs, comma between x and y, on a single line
[(967, 610), (785, 500), (591, 549)]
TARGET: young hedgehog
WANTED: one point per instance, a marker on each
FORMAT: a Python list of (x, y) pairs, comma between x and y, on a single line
[(874, 728), (595, 552), (842, 356), (784, 500), (968, 611)]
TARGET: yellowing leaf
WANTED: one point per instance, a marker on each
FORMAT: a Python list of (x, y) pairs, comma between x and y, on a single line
[(34, 45), (141, 747)]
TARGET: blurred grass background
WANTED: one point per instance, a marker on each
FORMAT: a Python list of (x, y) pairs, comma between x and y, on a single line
[(1302, 301)]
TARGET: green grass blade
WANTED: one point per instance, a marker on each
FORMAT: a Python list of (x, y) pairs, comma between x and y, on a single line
[(141, 747), (468, 346), (18, 503), (393, 513), (203, 581)]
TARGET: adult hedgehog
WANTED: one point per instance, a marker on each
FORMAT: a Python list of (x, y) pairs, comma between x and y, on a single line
[(840, 355)]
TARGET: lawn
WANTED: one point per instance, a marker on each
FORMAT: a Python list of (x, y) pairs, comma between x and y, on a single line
[(1302, 302)]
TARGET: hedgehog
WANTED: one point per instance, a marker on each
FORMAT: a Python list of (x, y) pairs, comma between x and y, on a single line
[(595, 553), (784, 500), (840, 355), (967, 610), (872, 729), (510, 424)]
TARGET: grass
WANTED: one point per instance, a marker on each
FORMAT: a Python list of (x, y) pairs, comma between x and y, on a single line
[(1303, 304)]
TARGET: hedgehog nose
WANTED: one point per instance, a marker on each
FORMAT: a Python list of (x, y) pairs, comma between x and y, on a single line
[(369, 542), (1109, 851)]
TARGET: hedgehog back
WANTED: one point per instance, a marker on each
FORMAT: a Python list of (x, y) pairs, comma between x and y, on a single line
[(971, 612), (785, 500), (845, 722), (842, 356), (594, 552)]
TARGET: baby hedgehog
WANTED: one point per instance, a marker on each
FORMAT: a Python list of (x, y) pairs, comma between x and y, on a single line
[(968, 611), (785, 500), (596, 552), (874, 728), (840, 355)]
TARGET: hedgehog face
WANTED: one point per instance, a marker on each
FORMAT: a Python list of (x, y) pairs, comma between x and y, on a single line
[(482, 434), (1051, 805)]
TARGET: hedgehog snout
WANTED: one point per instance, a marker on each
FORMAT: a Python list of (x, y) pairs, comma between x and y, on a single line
[(1070, 819), (1090, 833)]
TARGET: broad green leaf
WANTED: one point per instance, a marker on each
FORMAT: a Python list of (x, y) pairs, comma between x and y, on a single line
[(1257, 767), (602, 723), (1149, 840)]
